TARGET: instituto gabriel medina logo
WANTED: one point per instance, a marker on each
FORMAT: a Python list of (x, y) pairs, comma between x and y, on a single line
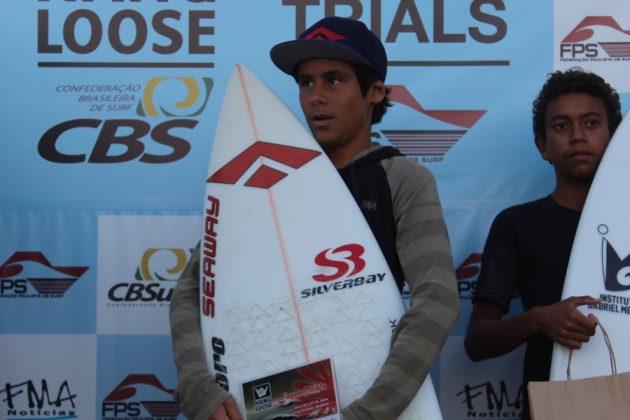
[(594, 35), (615, 269), (24, 269), (429, 145), (163, 96), (616, 276)]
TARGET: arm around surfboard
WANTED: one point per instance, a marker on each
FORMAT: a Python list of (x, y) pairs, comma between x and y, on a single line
[(425, 255), (489, 335), (197, 392)]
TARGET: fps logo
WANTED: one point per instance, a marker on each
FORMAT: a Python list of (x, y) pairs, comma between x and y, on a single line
[(138, 395), (160, 137), (30, 274), (40, 400), (429, 145), (596, 38), (158, 270), (466, 275)]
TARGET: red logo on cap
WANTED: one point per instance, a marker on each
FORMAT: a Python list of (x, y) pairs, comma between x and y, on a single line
[(323, 33)]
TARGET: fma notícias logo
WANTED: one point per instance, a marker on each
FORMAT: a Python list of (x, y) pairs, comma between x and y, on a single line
[(491, 401), (31, 275), (38, 399), (197, 93), (262, 396)]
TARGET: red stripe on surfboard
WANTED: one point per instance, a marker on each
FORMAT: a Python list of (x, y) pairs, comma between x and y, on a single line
[(276, 221)]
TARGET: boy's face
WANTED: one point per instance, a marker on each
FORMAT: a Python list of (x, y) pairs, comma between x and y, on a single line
[(338, 115), (576, 136)]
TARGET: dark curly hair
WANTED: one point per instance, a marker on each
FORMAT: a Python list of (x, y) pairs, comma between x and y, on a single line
[(366, 76), (576, 80)]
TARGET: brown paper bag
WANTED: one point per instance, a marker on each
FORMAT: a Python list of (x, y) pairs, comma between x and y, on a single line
[(602, 397)]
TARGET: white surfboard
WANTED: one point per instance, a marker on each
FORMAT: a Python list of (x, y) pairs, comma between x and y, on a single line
[(599, 265), (290, 271)]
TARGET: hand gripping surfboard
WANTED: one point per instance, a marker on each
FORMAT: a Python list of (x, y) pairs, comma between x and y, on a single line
[(599, 265), (290, 271)]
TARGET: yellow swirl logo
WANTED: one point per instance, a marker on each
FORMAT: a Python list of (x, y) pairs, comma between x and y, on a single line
[(163, 264), (161, 97)]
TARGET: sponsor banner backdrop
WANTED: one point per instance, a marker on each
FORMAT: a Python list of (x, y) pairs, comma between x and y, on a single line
[(468, 227), (109, 109)]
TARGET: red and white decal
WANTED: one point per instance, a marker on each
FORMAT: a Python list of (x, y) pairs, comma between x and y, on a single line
[(345, 260)]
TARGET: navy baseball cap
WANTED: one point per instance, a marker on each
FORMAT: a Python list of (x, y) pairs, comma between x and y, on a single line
[(335, 38)]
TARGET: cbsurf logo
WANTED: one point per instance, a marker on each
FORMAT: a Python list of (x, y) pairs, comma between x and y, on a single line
[(93, 40), (118, 140), (140, 395), (340, 268), (32, 275), (155, 278), (195, 98), (596, 38), (38, 399), (162, 264), (426, 145)]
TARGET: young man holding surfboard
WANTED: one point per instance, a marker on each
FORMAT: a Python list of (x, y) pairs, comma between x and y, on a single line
[(528, 247), (340, 67)]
